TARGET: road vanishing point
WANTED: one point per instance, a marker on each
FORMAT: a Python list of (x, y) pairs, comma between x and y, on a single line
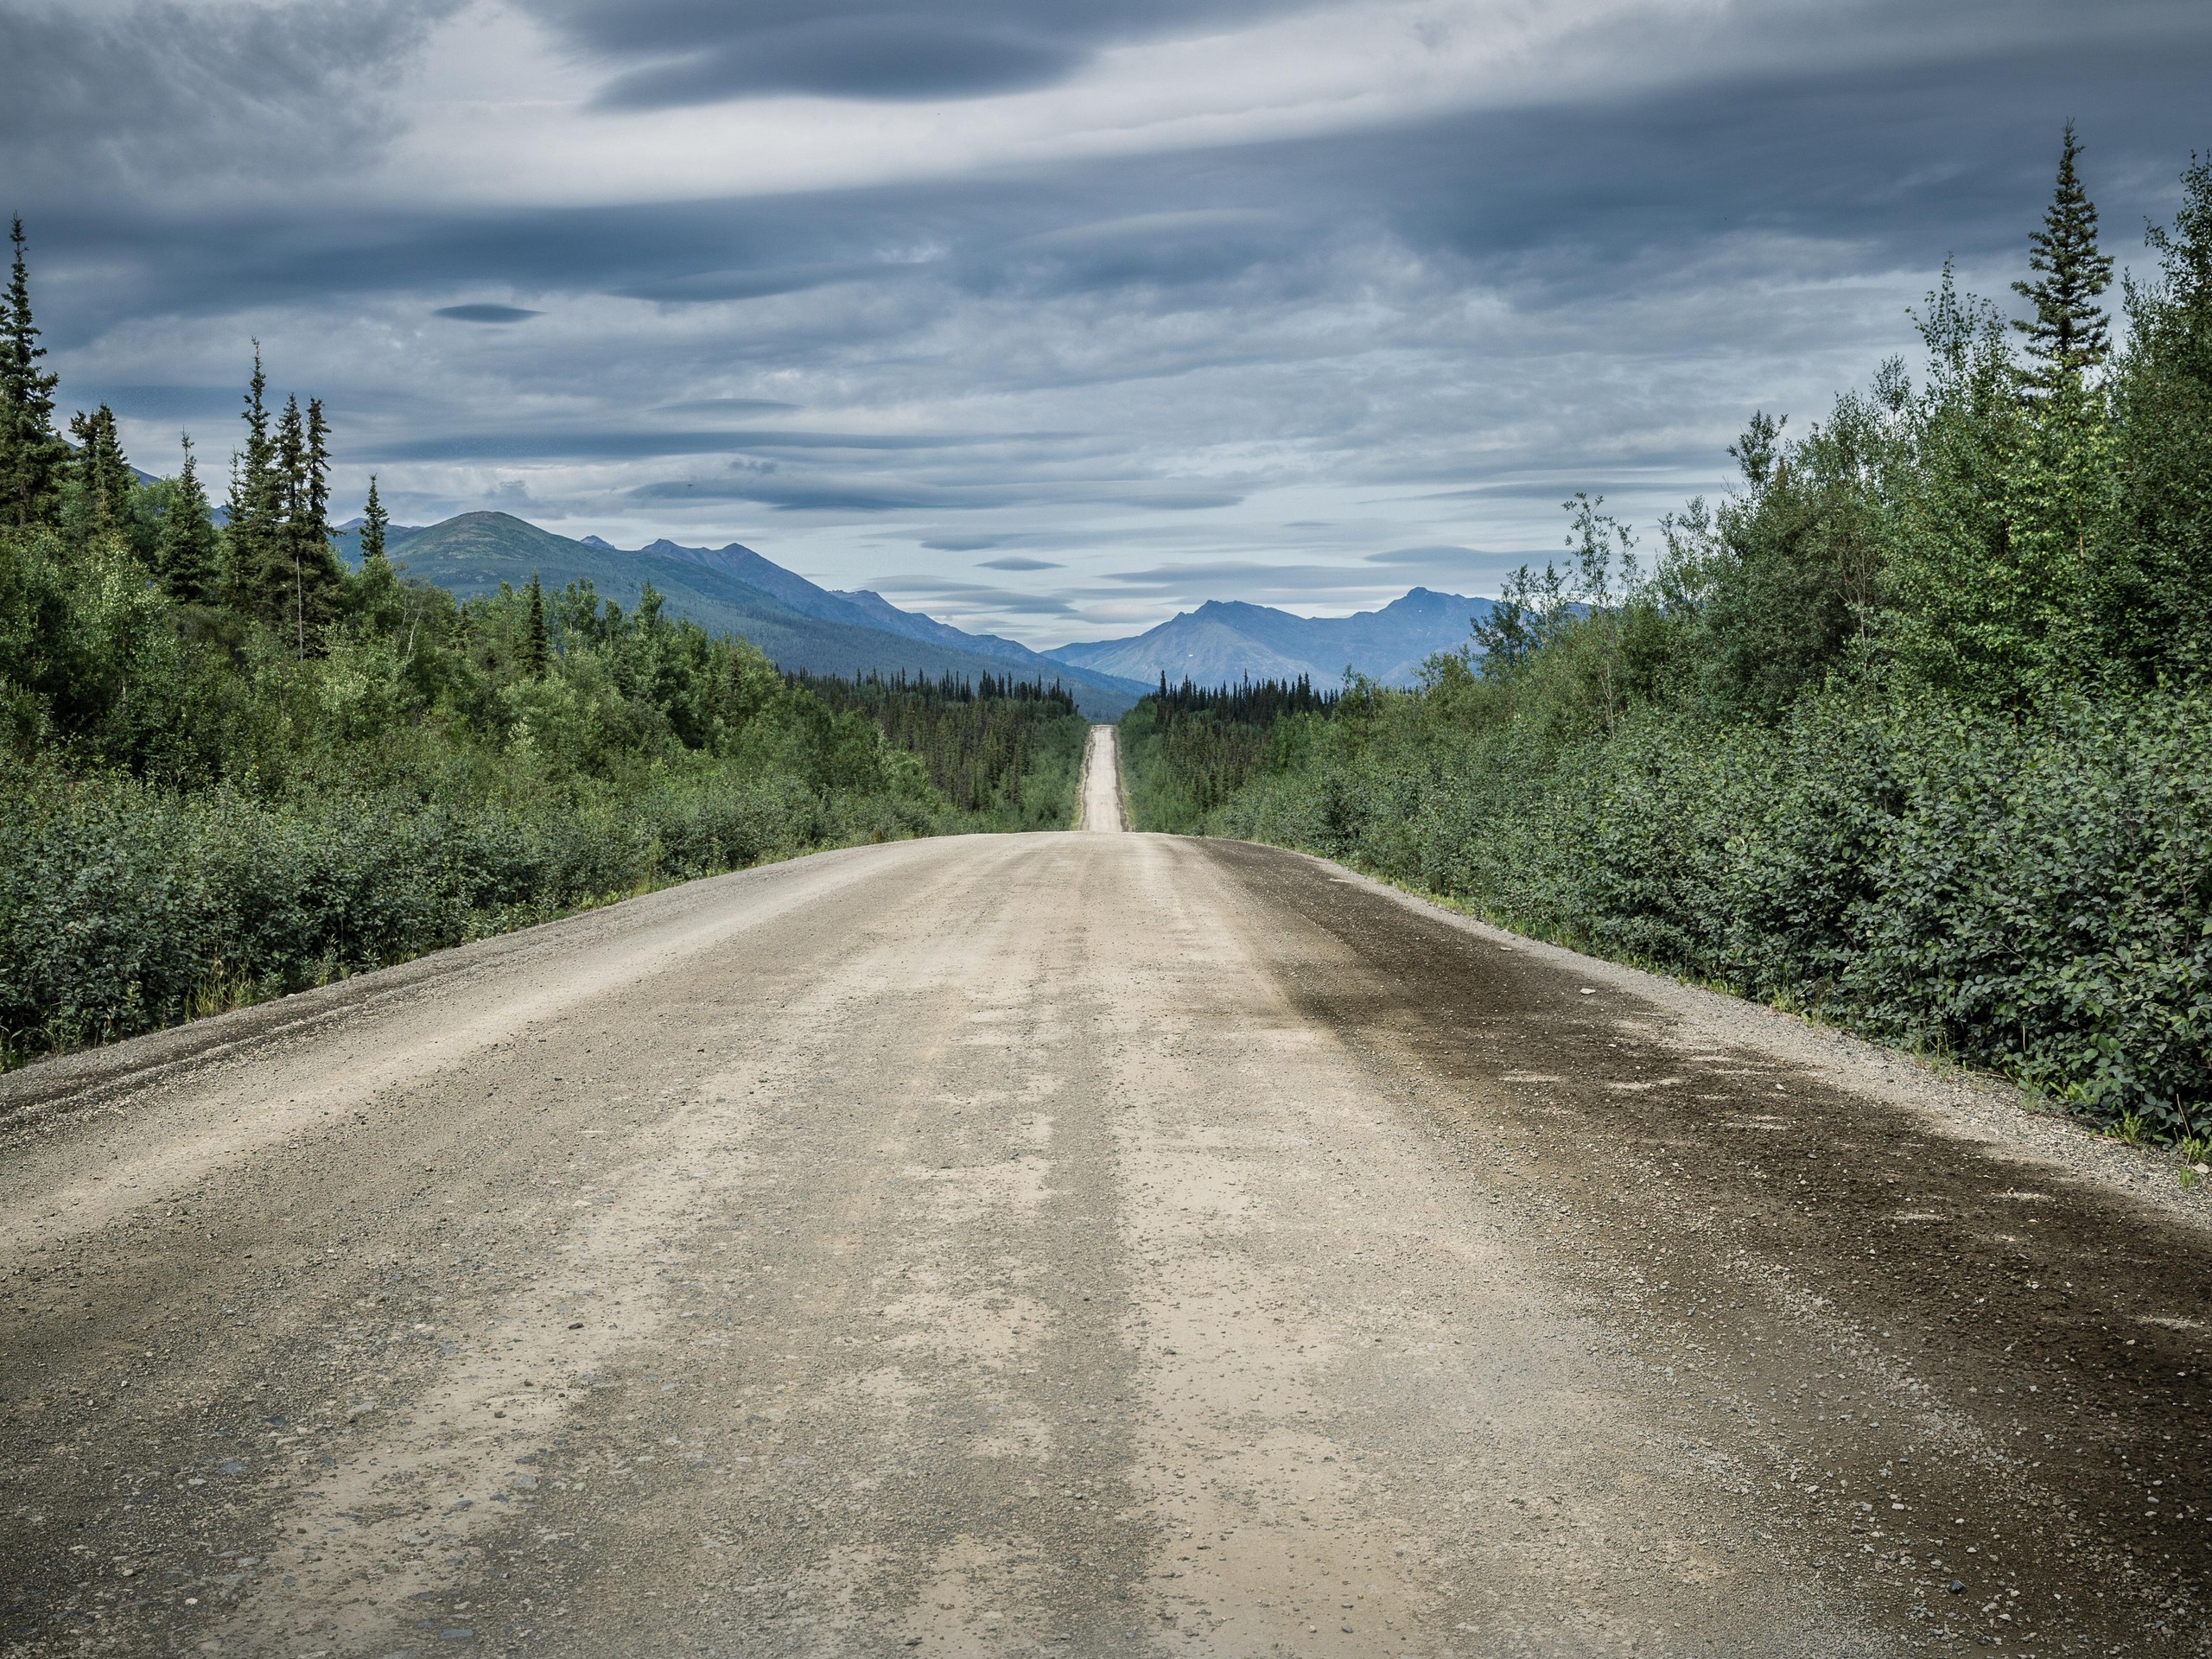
[(1077, 1244)]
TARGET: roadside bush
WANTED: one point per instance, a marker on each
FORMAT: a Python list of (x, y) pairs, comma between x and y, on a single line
[(125, 905), (2030, 893)]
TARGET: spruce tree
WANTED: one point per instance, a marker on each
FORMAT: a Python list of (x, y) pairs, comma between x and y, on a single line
[(256, 508), (374, 522), (186, 551), (289, 595), (2060, 483), (2068, 337), (316, 495), (103, 475), (307, 576), (32, 455), (374, 593), (537, 650), (2156, 610)]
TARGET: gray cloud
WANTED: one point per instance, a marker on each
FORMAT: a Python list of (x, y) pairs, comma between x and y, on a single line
[(647, 443), (973, 595), (482, 312), (1016, 563), (789, 492), (127, 102), (707, 287), (169, 402), (706, 51), (1426, 557), (1234, 576), (795, 494), (860, 57), (725, 406)]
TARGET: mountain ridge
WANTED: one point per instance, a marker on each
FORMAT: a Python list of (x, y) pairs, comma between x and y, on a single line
[(1226, 641), (730, 589), (802, 626)]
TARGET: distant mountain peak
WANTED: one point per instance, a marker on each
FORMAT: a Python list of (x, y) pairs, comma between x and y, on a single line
[(1225, 641)]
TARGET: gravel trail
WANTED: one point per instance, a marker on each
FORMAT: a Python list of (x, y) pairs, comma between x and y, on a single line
[(1072, 1243), (1100, 807)]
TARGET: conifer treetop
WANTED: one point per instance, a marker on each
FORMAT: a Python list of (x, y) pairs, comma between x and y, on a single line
[(2068, 336), (374, 519), (32, 455)]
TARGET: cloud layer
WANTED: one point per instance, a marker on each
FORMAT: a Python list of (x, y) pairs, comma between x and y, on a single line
[(1061, 326)]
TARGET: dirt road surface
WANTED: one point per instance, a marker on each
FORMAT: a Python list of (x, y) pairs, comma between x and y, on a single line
[(1099, 803), (1075, 1245)]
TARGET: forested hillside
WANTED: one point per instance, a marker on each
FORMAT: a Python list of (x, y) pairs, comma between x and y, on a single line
[(1913, 730), (235, 767), (1004, 751), (1188, 749)]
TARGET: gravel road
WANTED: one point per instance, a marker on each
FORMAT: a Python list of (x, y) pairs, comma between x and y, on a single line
[(1099, 798), (1076, 1244)]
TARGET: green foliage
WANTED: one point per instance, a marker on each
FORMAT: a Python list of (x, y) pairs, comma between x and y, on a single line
[(375, 521), (1187, 749), (299, 575), (187, 553), (2029, 894), (124, 906), (1915, 731), (2153, 601), (538, 651), (102, 484), (1006, 754), (194, 805)]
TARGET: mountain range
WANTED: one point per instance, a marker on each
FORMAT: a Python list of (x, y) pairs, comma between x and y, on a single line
[(800, 626), (1227, 640), (731, 590)]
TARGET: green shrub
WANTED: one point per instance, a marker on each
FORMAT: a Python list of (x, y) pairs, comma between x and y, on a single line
[(2030, 893)]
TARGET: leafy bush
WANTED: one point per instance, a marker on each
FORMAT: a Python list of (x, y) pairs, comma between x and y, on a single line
[(2031, 894), (125, 905)]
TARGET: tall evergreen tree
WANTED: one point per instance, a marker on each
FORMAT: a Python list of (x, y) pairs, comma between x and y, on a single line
[(291, 595), (32, 455), (256, 508), (537, 650), (2059, 487), (187, 553), (2158, 602), (315, 495), (326, 574), (103, 475), (374, 522), (2068, 337), (307, 576)]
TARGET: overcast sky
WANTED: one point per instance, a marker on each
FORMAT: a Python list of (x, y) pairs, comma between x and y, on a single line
[(1050, 319)]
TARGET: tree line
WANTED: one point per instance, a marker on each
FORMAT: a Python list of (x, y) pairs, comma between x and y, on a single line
[(1909, 729), (1188, 748), (1004, 749), (271, 560)]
